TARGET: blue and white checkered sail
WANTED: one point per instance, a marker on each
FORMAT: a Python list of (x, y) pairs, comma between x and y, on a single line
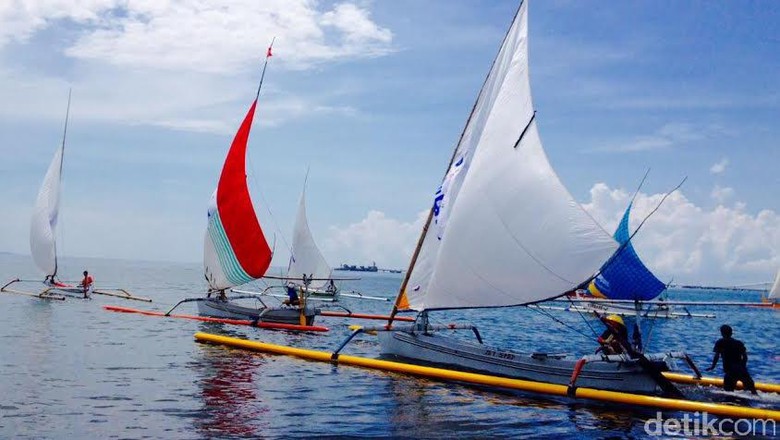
[(624, 276)]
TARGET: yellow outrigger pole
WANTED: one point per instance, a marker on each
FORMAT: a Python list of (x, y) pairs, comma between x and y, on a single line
[(496, 381)]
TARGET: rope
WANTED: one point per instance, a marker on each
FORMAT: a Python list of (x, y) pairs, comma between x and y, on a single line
[(549, 315), (595, 333)]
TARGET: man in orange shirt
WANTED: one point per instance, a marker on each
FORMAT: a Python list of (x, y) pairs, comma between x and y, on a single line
[(86, 284)]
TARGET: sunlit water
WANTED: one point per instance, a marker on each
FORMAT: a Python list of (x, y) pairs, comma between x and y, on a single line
[(72, 370)]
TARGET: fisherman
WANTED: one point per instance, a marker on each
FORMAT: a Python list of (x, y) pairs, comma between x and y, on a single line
[(331, 287), (292, 296), (614, 340), (86, 283), (734, 361)]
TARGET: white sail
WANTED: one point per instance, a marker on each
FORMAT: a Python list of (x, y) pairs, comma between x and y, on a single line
[(505, 231), (774, 292), (306, 258), (43, 227)]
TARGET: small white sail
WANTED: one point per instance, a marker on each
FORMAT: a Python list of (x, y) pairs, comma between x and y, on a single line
[(774, 292), (43, 227), (505, 231), (306, 258)]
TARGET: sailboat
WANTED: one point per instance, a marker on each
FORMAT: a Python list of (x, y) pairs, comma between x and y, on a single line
[(503, 231), (309, 275), (308, 272), (43, 237), (772, 298), (625, 286), (235, 250)]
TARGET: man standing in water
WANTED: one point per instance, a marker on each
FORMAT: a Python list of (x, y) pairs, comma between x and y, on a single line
[(734, 361)]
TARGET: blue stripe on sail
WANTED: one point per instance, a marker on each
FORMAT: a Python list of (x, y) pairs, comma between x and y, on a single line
[(625, 276), (227, 258)]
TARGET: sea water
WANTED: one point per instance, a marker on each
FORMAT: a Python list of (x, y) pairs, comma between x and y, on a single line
[(69, 369)]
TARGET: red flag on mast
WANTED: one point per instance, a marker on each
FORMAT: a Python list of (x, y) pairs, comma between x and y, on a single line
[(269, 54)]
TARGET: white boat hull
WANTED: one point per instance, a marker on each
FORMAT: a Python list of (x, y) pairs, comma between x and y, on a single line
[(432, 348)]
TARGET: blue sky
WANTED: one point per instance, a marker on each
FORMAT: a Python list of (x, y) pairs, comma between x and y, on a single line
[(372, 97)]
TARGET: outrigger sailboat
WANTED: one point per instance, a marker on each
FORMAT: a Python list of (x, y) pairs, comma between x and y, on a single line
[(624, 278), (772, 298), (504, 231), (43, 238), (308, 274), (235, 251)]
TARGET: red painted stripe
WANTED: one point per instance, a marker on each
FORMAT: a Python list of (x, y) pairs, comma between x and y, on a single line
[(365, 316), (235, 206), (268, 325)]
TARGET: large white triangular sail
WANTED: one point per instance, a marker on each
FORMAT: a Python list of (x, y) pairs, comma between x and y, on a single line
[(504, 229), (43, 224), (43, 227), (306, 258), (774, 292)]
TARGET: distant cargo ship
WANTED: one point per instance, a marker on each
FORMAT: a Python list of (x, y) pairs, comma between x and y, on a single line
[(372, 268)]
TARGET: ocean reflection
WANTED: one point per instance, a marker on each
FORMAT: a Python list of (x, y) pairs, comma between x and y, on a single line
[(232, 406)]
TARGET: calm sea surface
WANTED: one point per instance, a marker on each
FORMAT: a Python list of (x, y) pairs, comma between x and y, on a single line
[(72, 370)]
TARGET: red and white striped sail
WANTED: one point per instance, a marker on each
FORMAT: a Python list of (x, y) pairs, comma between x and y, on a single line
[(235, 249)]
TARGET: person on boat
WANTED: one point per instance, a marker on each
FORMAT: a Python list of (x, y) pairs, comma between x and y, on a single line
[(614, 340), (86, 283), (734, 361), (292, 296), (331, 287)]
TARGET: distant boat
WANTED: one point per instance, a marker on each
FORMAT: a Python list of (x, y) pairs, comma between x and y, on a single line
[(504, 231), (308, 271), (43, 236), (353, 268), (773, 295)]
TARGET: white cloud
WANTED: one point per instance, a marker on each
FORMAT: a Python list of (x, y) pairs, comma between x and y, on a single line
[(201, 35), (185, 64), (724, 245), (721, 194), (376, 237), (719, 246), (667, 136), (720, 166)]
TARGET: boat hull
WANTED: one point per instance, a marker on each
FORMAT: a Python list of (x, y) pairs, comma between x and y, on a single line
[(540, 367), (225, 309)]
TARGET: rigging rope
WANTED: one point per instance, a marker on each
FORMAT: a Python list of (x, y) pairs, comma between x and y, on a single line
[(584, 319), (549, 315)]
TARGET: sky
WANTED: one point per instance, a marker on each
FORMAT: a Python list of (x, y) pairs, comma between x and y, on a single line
[(370, 97)]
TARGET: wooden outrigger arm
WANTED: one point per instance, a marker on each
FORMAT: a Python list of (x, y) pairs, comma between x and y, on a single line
[(121, 293), (44, 294)]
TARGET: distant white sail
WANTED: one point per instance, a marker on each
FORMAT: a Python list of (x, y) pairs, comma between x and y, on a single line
[(504, 230), (306, 258), (774, 292), (43, 227)]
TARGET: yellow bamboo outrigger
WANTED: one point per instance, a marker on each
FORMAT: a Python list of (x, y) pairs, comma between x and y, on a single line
[(498, 382)]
